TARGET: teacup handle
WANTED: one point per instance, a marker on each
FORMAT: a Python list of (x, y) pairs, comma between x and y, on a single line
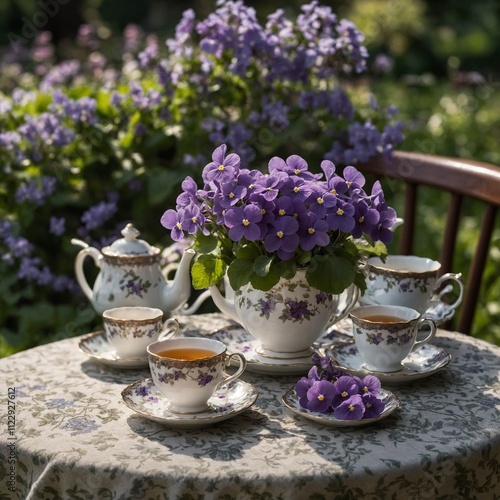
[(171, 328), (352, 298), (351, 302), (426, 321), (457, 279), (239, 371)]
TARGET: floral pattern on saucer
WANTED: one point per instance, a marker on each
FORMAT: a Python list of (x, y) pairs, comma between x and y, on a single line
[(96, 346), (230, 400), (278, 301), (423, 361), (291, 401)]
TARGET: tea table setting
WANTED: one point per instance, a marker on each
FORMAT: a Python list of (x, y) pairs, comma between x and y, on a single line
[(325, 373), (75, 433)]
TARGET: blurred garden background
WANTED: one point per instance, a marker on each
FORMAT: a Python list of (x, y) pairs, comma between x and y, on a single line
[(105, 107)]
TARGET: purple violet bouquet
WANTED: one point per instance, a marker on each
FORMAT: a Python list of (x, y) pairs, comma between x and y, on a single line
[(330, 390), (262, 226)]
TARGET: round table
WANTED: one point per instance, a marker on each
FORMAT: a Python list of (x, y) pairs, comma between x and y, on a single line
[(66, 433)]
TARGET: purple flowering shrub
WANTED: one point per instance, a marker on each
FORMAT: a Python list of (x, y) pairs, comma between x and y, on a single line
[(330, 390), (263, 226), (105, 135)]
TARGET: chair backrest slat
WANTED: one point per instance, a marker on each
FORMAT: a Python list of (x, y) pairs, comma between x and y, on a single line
[(450, 233), (410, 214), (473, 284)]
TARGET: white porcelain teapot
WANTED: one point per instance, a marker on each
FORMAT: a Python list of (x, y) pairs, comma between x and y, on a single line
[(288, 318), (131, 275)]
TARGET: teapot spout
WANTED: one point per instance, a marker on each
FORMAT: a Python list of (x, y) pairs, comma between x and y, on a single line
[(179, 291), (223, 304)]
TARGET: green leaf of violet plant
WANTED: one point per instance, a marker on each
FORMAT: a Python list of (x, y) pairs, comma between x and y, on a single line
[(207, 270)]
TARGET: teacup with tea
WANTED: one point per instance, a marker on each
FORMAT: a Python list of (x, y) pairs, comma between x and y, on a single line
[(385, 335), (130, 329), (406, 280), (188, 371)]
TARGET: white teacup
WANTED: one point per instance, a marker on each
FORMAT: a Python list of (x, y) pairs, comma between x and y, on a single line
[(187, 371), (385, 335), (131, 329), (406, 280)]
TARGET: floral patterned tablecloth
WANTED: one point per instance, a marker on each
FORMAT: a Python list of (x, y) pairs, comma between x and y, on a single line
[(73, 437)]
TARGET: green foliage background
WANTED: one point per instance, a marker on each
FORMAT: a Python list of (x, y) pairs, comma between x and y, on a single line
[(433, 44)]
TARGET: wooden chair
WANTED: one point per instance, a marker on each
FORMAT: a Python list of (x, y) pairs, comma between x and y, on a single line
[(461, 178)]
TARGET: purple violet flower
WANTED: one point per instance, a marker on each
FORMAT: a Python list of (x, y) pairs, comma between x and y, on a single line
[(231, 194), (352, 408), (373, 406), (322, 201), (342, 219), (320, 395), (283, 237), (221, 168), (173, 220), (365, 219), (368, 385), (188, 195), (382, 231), (192, 219), (243, 222), (313, 232), (268, 186), (345, 387), (354, 178)]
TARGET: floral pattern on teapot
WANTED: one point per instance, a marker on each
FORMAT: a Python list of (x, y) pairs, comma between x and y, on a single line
[(288, 308), (133, 284)]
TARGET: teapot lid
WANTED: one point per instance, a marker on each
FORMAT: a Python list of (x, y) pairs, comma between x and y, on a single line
[(129, 244)]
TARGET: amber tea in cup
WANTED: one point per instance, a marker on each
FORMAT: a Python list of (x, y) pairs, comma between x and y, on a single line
[(186, 354)]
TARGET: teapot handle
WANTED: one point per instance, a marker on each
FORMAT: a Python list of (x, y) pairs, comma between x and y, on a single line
[(80, 275)]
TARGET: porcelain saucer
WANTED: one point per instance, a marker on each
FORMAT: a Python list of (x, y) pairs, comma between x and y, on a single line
[(423, 361), (291, 401), (96, 346), (237, 339), (230, 400)]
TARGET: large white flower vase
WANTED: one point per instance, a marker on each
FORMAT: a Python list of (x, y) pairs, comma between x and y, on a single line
[(287, 319)]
